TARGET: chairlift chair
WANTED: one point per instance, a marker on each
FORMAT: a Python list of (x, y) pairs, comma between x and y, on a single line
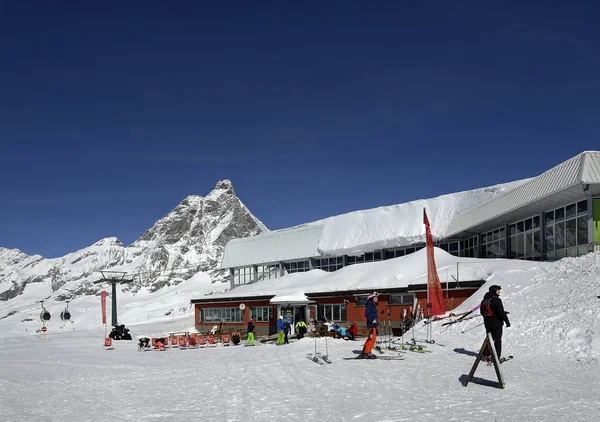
[(45, 315), (66, 315)]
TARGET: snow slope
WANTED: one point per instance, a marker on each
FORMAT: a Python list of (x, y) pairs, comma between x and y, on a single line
[(554, 337)]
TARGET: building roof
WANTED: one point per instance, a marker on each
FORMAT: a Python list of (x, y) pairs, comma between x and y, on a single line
[(560, 185), (269, 248), (461, 214)]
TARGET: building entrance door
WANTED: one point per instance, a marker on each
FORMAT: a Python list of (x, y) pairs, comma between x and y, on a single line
[(299, 315), (293, 314), (288, 316)]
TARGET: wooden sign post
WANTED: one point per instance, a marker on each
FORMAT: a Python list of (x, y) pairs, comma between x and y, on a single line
[(488, 343)]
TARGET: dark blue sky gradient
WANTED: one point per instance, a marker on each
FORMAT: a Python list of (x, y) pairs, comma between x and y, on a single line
[(110, 115)]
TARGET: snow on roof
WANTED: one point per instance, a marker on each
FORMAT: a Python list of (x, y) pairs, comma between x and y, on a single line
[(394, 273), (297, 297), (399, 225), (358, 232)]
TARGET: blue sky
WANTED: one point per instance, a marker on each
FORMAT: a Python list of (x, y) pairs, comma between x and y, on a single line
[(111, 115)]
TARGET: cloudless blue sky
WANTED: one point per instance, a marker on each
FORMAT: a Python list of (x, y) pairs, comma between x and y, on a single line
[(111, 113)]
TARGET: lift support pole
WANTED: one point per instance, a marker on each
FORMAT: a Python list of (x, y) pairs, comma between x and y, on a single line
[(118, 277)]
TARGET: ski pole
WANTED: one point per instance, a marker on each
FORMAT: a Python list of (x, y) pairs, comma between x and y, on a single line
[(468, 329)]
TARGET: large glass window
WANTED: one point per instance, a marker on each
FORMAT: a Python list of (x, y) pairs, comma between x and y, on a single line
[(261, 313), (396, 252), (401, 299), (266, 272), (469, 247), (494, 243), (296, 267), (243, 276), (567, 231), (328, 264), (220, 314), (525, 238), (335, 312), (451, 246)]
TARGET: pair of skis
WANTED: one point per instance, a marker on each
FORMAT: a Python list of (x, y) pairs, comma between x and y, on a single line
[(387, 357), (318, 358), (381, 352)]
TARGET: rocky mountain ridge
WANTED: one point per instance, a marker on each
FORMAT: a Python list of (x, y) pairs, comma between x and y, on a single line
[(188, 240)]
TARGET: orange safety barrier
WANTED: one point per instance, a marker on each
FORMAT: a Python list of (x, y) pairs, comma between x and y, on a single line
[(193, 341), (211, 340), (183, 341), (201, 341), (175, 340), (226, 338)]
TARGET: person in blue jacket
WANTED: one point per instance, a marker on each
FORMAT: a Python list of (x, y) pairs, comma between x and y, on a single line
[(372, 318), (280, 333)]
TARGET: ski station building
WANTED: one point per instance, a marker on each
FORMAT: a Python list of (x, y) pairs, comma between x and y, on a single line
[(301, 272)]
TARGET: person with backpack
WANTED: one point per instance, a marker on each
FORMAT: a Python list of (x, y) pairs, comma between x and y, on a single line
[(494, 318), (372, 324), (301, 327)]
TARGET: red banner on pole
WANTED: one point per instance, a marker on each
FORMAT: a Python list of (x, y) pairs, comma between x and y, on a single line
[(103, 299), (435, 296)]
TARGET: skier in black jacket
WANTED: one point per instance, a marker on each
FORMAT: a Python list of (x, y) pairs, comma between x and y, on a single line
[(494, 316)]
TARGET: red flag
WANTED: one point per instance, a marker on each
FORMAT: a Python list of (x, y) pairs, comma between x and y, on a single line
[(435, 296), (103, 301)]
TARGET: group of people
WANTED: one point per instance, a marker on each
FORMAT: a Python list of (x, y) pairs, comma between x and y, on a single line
[(492, 310), (340, 331)]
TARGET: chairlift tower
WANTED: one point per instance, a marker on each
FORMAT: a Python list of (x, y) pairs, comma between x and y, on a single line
[(114, 277)]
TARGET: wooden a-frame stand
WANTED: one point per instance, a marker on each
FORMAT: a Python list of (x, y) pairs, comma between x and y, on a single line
[(488, 343)]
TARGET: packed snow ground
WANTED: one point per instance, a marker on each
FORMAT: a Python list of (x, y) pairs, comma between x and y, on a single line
[(555, 338)]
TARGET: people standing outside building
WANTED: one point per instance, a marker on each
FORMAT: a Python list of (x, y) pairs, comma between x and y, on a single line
[(280, 333), (301, 329), (494, 317), (250, 340), (372, 324), (287, 329)]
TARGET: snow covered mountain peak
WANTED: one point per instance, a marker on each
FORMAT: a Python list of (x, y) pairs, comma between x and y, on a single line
[(186, 241)]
